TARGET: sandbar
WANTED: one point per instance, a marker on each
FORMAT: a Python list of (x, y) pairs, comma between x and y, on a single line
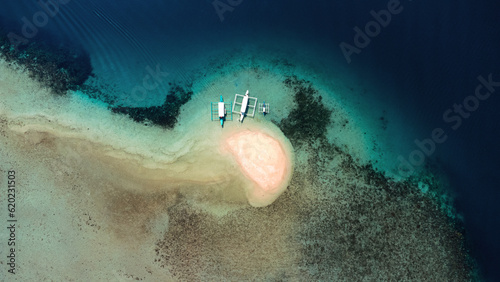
[(264, 159)]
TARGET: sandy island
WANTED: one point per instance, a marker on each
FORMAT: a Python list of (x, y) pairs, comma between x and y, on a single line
[(265, 159)]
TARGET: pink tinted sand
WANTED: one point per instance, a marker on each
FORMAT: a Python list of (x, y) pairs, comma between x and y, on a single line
[(263, 160)]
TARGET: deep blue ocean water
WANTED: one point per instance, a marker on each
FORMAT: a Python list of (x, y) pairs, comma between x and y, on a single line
[(430, 53)]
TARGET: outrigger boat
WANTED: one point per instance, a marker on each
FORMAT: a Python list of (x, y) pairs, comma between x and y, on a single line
[(244, 105), (222, 111)]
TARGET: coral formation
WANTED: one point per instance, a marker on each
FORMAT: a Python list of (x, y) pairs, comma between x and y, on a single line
[(164, 115), (60, 68), (310, 119)]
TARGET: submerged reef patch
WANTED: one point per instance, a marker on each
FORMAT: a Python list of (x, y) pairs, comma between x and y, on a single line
[(164, 115), (355, 221), (310, 119), (247, 244), (59, 68), (361, 224)]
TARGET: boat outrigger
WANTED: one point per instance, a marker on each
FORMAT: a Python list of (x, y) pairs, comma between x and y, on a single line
[(244, 105), (264, 108), (219, 110), (222, 111)]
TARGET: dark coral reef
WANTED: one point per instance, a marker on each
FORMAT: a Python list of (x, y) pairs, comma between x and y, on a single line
[(362, 222), (60, 68), (310, 119), (164, 115)]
